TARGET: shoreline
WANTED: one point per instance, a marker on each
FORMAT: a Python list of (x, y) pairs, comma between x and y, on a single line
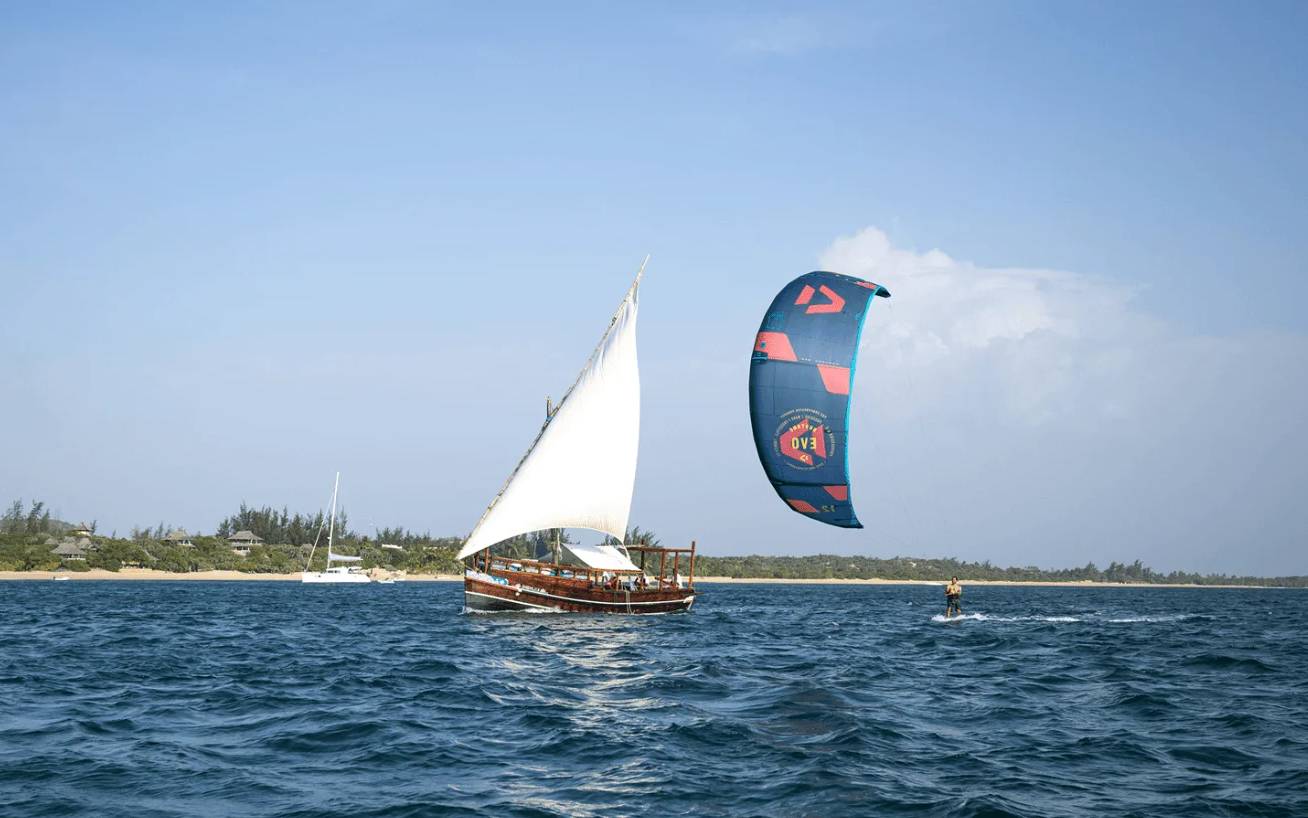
[(149, 574), (1043, 583)]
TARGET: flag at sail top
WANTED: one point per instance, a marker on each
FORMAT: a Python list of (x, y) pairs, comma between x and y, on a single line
[(800, 377)]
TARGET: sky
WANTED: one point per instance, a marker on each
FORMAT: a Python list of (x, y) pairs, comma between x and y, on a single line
[(245, 246)]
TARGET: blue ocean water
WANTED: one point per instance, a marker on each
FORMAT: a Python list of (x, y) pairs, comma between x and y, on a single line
[(277, 699)]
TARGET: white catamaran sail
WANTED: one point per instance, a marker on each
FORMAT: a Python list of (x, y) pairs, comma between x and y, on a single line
[(334, 573), (581, 470)]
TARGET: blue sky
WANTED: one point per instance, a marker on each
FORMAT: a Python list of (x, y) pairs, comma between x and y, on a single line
[(243, 247)]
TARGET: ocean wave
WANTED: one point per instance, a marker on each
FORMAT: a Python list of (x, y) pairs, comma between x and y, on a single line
[(980, 617), (772, 701), (1223, 661), (1160, 618), (1068, 618)]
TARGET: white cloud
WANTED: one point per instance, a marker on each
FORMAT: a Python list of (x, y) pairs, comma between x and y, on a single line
[(1042, 337), (1037, 415), (1016, 415)]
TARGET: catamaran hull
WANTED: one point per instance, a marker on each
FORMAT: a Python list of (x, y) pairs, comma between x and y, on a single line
[(334, 579), (482, 596)]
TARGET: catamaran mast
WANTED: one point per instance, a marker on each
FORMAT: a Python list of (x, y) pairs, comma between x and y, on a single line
[(331, 527)]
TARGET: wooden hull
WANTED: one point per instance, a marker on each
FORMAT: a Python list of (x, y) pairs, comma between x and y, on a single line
[(544, 594)]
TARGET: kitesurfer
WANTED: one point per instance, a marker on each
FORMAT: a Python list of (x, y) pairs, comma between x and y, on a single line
[(953, 598)]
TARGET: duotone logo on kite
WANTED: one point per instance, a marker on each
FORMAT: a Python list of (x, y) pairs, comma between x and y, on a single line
[(803, 439)]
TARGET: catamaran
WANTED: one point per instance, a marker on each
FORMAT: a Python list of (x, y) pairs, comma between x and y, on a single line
[(337, 573), (580, 472)]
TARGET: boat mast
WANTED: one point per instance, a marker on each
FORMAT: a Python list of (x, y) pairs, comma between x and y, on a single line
[(331, 527), (555, 550)]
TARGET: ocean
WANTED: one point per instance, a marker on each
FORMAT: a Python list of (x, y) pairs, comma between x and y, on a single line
[(277, 699)]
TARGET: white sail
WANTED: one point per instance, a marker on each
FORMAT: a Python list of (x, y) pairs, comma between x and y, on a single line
[(581, 470), (604, 557)]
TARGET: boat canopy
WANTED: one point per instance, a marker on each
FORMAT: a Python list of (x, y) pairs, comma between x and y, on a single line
[(800, 377), (342, 558), (581, 469), (602, 557)]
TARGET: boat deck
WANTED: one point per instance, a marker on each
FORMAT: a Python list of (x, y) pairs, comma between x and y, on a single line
[(512, 585)]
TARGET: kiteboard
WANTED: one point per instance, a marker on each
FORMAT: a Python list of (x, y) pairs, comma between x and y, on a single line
[(950, 620)]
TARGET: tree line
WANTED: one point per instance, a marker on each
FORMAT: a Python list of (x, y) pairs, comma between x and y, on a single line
[(35, 520), (832, 566), (274, 526), (288, 537)]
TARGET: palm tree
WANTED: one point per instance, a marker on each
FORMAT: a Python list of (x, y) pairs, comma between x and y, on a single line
[(636, 537)]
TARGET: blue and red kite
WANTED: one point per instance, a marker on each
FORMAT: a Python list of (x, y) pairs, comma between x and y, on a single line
[(799, 382)]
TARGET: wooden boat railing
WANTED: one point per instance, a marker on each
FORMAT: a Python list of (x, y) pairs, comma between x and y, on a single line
[(663, 553), (483, 561)]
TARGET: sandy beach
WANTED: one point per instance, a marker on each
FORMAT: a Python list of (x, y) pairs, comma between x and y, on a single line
[(966, 581), (151, 574), (147, 574)]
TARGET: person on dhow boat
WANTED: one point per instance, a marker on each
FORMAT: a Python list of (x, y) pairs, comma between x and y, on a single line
[(953, 598)]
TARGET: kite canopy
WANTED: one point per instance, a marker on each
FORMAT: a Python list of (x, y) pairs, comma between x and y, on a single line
[(799, 383)]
